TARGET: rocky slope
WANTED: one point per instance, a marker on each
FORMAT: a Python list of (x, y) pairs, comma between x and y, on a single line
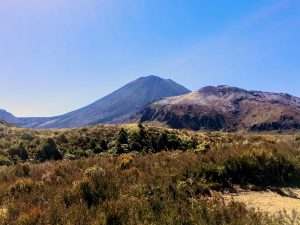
[(115, 107), (227, 108)]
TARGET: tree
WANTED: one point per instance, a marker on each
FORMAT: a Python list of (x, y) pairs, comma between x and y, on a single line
[(48, 151), (103, 145), (142, 134), (123, 137), (135, 142), (162, 141), (119, 149)]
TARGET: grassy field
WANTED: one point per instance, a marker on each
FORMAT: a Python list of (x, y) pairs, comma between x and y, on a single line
[(141, 175)]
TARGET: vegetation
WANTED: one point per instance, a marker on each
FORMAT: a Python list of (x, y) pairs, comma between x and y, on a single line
[(140, 175)]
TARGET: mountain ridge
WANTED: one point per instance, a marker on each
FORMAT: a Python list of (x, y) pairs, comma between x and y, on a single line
[(152, 99), (228, 108)]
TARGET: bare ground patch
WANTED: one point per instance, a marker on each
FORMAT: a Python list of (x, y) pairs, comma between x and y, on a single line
[(287, 200)]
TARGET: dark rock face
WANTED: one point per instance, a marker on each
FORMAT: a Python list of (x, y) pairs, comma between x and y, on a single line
[(226, 108), (115, 107)]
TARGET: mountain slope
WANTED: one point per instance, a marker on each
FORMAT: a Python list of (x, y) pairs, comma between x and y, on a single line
[(225, 107), (5, 124), (114, 108), (8, 117)]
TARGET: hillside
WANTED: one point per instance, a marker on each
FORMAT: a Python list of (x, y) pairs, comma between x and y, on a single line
[(8, 117), (227, 108), (115, 107), (5, 124)]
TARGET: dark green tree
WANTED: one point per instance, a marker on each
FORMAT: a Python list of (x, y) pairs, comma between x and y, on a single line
[(162, 142), (135, 142), (119, 149), (123, 137), (103, 145), (142, 134)]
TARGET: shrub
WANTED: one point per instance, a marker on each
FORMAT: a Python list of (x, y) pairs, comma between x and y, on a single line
[(22, 170), (97, 187), (95, 172), (48, 151), (297, 137), (5, 161), (260, 167), (69, 156), (27, 137), (19, 151), (125, 161), (23, 186), (69, 198), (203, 147), (31, 216), (62, 139)]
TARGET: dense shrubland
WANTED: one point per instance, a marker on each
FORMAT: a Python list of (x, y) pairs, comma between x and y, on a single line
[(37, 146), (139, 175)]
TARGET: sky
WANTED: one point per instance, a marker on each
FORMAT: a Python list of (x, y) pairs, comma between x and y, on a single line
[(60, 55)]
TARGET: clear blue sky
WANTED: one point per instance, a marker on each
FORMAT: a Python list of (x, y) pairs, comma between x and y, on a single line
[(59, 55)]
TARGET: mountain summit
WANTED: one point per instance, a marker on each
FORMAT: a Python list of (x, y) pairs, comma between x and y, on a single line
[(227, 108), (115, 107)]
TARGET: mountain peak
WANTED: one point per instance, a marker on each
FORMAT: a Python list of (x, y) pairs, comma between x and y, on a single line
[(150, 78), (115, 107)]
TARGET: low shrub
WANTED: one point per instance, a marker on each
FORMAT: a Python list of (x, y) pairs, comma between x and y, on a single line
[(96, 187), (24, 186), (5, 161)]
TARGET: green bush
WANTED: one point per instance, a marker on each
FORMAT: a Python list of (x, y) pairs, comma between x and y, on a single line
[(260, 167), (48, 151), (24, 186), (19, 151), (5, 161), (22, 170), (97, 187)]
